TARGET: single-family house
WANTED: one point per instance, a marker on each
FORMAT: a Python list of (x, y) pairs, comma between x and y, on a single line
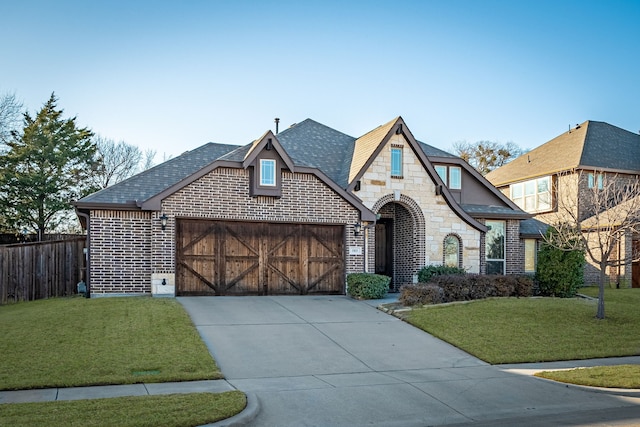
[(294, 212), (556, 182)]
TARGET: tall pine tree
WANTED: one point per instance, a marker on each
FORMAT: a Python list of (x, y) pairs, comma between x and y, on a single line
[(45, 168)]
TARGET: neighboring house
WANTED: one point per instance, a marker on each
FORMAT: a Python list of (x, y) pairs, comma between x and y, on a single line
[(293, 213), (569, 168)]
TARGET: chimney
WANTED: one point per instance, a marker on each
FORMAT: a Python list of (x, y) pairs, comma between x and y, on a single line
[(277, 120)]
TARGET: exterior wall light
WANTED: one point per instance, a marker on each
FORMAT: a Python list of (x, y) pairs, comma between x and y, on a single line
[(357, 228), (163, 221)]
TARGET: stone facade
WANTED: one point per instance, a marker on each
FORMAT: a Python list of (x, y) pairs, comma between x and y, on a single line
[(424, 219)]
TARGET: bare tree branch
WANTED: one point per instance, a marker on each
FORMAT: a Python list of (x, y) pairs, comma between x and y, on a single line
[(485, 156), (117, 161), (598, 213), (10, 117)]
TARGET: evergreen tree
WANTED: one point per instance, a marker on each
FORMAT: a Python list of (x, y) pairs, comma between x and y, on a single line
[(44, 169)]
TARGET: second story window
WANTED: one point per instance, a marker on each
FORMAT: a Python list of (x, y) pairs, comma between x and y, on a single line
[(595, 179), (451, 176), (396, 162), (268, 172), (532, 196), (455, 178)]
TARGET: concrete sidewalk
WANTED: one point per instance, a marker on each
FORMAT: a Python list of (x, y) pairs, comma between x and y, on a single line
[(105, 391)]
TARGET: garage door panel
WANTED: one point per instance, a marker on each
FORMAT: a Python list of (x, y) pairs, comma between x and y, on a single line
[(243, 258)]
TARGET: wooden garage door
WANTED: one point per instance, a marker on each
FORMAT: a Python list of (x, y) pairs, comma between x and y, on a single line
[(251, 258)]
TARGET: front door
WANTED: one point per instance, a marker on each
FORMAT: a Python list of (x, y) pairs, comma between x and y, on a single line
[(384, 247)]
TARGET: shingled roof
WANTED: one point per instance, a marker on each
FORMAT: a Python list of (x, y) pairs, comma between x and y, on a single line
[(308, 143), (153, 181), (591, 145)]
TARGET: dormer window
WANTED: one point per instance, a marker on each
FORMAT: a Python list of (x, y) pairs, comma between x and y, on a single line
[(451, 176), (396, 162), (268, 172)]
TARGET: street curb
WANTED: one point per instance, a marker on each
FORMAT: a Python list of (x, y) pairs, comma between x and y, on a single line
[(628, 392), (247, 415)]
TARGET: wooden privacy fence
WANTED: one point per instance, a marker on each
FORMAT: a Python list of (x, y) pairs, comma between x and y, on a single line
[(33, 271)]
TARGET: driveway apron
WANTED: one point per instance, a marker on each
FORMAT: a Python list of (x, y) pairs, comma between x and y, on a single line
[(335, 361)]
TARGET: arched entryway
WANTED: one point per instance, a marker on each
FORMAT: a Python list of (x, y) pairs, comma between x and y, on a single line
[(399, 239)]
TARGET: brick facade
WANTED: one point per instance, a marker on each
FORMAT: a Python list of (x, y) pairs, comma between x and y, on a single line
[(120, 252), (132, 253), (130, 249)]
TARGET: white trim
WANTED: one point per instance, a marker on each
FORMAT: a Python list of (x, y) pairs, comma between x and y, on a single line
[(271, 168)]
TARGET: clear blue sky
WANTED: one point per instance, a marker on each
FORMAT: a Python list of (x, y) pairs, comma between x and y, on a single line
[(173, 75)]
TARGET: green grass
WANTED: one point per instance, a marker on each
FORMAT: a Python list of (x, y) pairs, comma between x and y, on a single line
[(77, 342), (511, 330), (619, 376), (176, 410)]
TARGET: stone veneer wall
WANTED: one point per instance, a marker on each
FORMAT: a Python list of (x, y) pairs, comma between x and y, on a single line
[(415, 191), (120, 253)]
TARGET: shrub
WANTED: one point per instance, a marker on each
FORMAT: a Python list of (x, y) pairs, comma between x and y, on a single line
[(421, 294), (559, 272), (426, 273), (523, 286), (367, 285), (456, 287)]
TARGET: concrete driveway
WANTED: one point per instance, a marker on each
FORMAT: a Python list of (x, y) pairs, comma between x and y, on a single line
[(335, 361)]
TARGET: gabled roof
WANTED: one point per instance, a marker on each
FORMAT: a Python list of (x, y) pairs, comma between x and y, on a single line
[(263, 143), (153, 181), (366, 146), (591, 145), (310, 147)]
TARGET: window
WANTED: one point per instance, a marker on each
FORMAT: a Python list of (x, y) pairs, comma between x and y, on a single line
[(530, 255), (595, 178), (495, 247), (532, 196), (451, 251), (268, 172), (450, 175), (455, 178), (396, 162)]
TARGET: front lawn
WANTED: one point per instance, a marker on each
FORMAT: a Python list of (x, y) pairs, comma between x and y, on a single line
[(619, 376), (67, 342), (520, 330), (175, 410), (76, 342)]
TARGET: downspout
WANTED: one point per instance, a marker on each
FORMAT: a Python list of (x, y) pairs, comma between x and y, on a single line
[(366, 251), (88, 253), (366, 229)]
